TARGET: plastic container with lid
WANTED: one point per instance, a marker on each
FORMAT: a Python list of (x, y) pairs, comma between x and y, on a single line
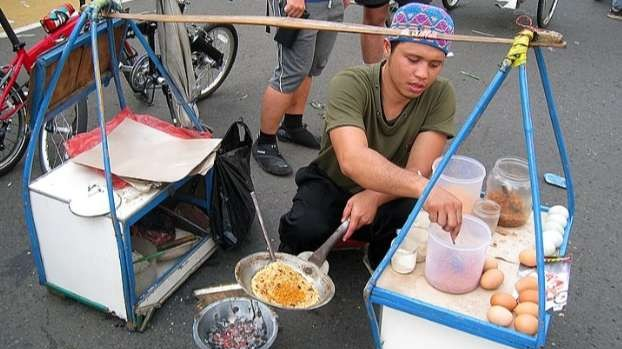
[(488, 211), (508, 185), (456, 268), (463, 177)]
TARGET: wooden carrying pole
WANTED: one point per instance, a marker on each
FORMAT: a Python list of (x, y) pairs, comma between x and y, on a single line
[(544, 38)]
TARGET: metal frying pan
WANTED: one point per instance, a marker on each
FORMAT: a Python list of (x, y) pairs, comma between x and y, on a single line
[(247, 267)]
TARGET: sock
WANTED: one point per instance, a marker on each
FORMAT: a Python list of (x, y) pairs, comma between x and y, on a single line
[(292, 121), (265, 138)]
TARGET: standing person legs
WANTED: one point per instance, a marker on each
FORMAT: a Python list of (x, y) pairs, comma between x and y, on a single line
[(289, 89), (615, 12)]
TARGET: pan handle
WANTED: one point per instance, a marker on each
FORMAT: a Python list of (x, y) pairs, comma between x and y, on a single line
[(319, 256)]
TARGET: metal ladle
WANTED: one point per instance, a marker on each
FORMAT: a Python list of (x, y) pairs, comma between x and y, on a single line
[(263, 227)]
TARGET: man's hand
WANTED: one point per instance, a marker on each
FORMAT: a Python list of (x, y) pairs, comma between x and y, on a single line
[(445, 210), (295, 8), (346, 3), (361, 209)]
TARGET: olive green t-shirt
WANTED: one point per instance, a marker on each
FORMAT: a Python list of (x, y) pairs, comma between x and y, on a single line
[(354, 100)]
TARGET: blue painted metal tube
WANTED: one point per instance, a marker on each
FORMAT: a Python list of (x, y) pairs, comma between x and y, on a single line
[(559, 138), (174, 88), (472, 119), (107, 171), (34, 139), (535, 197), (114, 63)]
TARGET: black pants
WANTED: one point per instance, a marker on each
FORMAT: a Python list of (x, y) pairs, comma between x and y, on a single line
[(316, 213)]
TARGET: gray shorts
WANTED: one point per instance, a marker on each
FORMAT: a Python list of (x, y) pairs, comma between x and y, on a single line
[(309, 54)]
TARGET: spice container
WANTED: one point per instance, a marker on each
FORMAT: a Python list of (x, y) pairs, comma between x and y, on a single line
[(488, 211), (508, 185)]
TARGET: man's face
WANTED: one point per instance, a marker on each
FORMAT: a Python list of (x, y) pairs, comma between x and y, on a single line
[(413, 67)]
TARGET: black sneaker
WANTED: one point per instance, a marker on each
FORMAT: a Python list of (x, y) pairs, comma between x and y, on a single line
[(615, 14), (300, 136), (270, 159)]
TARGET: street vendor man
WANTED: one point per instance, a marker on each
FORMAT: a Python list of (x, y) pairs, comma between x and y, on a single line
[(385, 124)]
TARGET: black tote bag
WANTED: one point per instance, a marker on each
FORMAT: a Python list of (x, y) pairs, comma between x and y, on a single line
[(232, 211)]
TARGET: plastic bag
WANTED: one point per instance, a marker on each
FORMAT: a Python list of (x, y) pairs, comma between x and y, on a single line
[(232, 211)]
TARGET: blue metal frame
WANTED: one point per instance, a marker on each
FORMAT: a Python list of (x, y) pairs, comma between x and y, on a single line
[(42, 97), (378, 295)]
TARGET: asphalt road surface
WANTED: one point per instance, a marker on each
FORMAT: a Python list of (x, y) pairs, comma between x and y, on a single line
[(587, 83)]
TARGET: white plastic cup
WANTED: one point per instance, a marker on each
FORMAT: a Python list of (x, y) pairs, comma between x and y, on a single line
[(463, 177), (404, 260)]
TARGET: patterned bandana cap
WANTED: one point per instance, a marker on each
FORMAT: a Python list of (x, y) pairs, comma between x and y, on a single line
[(418, 17)]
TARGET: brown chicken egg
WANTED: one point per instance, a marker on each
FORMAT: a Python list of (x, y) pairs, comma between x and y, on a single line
[(527, 308), (526, 283), (528, 296), (527, 257), (498, 315), (503, 299), (526, 323), (490, 263), (491, 279)]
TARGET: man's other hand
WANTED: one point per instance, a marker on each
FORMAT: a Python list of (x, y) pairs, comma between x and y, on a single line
[(295, 8), (445, 210), (361, 209)]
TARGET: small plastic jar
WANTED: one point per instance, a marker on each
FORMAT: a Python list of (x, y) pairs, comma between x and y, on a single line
[(508, 185), (488, 211), (405, 258)]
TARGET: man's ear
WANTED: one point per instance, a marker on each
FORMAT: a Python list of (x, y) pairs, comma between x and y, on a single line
[(386, 49)]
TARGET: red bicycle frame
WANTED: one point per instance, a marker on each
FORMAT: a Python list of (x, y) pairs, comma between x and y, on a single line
[(27, 59)]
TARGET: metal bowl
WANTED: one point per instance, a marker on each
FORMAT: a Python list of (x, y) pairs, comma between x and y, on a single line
[(231, 309)]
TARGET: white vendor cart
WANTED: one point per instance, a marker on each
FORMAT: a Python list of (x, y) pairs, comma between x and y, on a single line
[(90, 259), (414, 314)]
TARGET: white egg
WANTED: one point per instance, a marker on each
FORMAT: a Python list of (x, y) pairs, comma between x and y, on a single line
[(555, 237), (552, 225), (557, 218), (549, 248), (559, 209)]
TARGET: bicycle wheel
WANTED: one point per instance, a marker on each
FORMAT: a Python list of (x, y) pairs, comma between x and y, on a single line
[(214, 48), (57, 131), (546, 9), (13, 131), (450, 4)]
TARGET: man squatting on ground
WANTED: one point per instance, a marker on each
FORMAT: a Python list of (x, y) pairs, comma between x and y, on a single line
[(286, 95), (376, 13), (384, 123)]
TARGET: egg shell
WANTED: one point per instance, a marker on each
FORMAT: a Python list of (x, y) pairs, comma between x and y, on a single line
[(549, 248), (552, 225), (559, 209), (528, 296), (526, 323), (555, 237), (491, 279), (527, 257), (526, 283), (503, 299), (490, 263), (498, 315), (557, 218), (530, 308)]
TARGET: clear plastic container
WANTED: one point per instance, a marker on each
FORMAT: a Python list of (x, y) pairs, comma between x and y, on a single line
[(405, 258), (508, 185), (488, 211), (462, 177), (456, 268)]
